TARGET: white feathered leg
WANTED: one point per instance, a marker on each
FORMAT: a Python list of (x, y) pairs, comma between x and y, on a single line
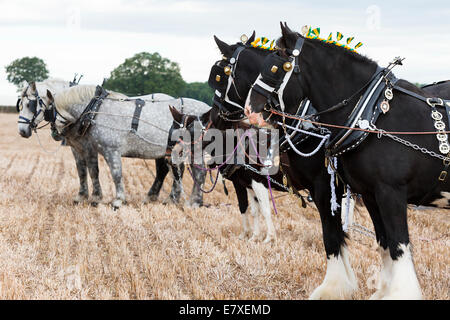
[(264, 206)]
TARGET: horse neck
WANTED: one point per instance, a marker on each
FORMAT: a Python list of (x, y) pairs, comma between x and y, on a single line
[(332, 75)]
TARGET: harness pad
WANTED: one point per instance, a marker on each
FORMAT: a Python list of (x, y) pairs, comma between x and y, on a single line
[(367, 108)]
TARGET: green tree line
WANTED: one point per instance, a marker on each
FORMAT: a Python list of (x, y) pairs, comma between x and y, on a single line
[(142, 74)]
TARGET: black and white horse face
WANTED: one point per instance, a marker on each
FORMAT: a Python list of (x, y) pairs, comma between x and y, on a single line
[(27, 106), (231, 77), (279, 73), (31, 107)]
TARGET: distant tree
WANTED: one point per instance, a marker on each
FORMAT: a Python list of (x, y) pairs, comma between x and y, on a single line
[(420, 85), (26, 69), (146, 73), (199, 91)]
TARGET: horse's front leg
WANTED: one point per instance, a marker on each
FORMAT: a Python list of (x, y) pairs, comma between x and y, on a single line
[(402, 282), (263, 202), (384, 277), (162, 168), (177, 186), (92, 162), (199, 175), (340, 280), (83, 193), (114, 162)]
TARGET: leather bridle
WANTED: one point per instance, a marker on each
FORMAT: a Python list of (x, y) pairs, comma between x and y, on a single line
[(222, 78), (33, 105)]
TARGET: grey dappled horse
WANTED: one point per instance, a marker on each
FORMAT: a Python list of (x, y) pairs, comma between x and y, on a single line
[(86, 159), (110, 133)]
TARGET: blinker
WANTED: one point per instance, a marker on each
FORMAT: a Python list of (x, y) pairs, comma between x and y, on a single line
[(274, 69), (227, 70), (19, 105)]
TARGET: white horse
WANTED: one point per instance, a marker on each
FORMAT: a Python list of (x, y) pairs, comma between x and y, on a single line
[(111, 132), (86, 159)]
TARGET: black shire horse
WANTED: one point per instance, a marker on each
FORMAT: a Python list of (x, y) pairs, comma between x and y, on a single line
[(310, 172), (386, 169)]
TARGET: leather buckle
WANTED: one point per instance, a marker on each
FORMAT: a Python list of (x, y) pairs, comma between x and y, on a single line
[(442, 176), (432, 102)]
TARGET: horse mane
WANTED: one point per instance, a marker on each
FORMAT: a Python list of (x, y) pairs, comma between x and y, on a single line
[(341, 50), (79, 94)]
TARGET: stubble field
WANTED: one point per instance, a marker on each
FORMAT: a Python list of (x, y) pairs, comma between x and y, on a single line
[(53, 249)]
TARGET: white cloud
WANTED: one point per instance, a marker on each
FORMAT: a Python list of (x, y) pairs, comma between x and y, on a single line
[(111, 31)]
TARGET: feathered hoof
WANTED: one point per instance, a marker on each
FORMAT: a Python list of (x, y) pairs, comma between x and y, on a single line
[(170, 200), (255, 238), (244, 235), (150, 198), (194, 204), (270, 238), (333, 290), (116, 204), (80, 198), (96, 199)]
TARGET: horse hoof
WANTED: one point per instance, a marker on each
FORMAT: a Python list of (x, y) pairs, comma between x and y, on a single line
[(244, 235), (94, 204), (116, 204), (169, 200), (79, 199), (339, 289), (151, 198), (270, 238), (195, 204)]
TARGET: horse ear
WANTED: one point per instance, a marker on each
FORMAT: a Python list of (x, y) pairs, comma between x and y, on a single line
[(252, 37), (33, 86), (288, 37), (177, 116), (223, 47), (50, 96), (287, 28)]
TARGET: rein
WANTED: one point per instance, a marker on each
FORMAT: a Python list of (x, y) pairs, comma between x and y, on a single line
[(295, 117)]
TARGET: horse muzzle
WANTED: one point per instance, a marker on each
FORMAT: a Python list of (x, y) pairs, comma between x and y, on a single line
[(256, 118), (25, 133)]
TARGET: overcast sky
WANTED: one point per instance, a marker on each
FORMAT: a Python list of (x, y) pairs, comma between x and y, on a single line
[(93, 37)]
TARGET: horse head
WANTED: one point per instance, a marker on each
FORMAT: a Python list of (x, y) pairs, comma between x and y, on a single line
[(232, 77), (280, 72)]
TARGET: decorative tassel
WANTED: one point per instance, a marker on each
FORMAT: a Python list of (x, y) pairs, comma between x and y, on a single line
[(359, 44), (255, 43), (347, 210), (333, 201), (339, 36), (330, 36), (316, 32), (350, 39)]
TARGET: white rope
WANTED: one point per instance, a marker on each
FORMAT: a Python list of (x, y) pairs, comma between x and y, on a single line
[(334, 204), (288, 139), (43, 149), (347, 210)]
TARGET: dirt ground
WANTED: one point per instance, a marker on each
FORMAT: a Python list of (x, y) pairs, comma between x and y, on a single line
[(53, 249)]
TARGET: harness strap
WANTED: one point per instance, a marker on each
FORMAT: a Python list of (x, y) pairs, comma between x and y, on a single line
[(137, 113), (90, 112)]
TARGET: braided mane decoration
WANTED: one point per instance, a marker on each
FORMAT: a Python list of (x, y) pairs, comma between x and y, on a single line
[(314, 34), (263, 44)]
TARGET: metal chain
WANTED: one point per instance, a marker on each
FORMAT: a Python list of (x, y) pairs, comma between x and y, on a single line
[(271, 180), (128, 130), (382, 132)]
